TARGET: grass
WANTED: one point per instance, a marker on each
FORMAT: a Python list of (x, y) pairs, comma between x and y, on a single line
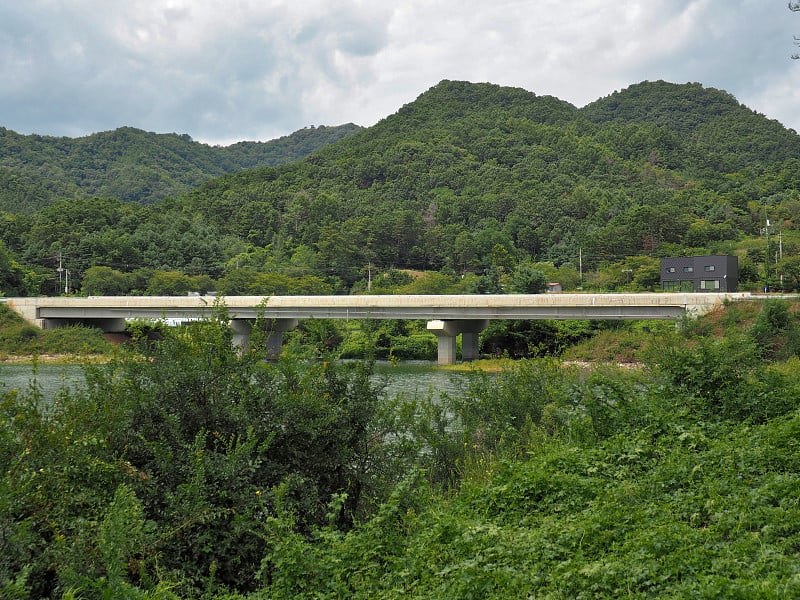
[(21, 339), (489, 365)]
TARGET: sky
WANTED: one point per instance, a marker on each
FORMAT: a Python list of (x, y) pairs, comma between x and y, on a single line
[(224, 71)]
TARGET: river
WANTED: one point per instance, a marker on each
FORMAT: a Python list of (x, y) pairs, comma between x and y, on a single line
[(408, 378)]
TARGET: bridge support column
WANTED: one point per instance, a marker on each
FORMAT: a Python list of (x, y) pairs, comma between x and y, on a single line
[(241, 332), (446, 332), (274, 331)]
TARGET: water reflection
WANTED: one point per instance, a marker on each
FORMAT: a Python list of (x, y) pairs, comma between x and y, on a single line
[(409, 378), (418, 379), (49, 378)]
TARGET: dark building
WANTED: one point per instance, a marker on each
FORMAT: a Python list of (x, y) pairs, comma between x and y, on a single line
[(700, 274)]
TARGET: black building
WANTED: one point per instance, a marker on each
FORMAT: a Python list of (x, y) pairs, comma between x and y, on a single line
[(700, 274)]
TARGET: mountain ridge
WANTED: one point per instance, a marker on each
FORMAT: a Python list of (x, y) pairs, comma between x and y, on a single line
[(467, 178), (135, 165)]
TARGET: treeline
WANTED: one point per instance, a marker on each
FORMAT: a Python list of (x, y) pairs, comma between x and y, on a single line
[(467, 180), (187, 469)]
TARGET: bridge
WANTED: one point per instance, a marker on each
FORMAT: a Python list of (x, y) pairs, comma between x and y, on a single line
[(448, 316)]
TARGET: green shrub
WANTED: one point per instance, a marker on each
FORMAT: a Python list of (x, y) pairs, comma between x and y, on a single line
[(20, 337), (772, 321), (499, 411), (77, 340), (725, 378), (188, 469), (388, 340)]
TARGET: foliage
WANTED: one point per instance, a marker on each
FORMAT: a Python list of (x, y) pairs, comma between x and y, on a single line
[(174, 455), (604, 484), (21, 338), (618, 342), (16, 280), (725, 377), (105, 281), (470, 183), (527, 279), (529, 339), (775, 331), (134, 165), (389, 339), (190, 469)]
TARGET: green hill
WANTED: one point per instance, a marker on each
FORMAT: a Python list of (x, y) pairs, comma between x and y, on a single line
[(466, 167), (466, 179), (713, 127), (133, 165)]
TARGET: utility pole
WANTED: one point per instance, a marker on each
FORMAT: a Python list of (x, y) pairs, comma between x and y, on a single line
[(60, 270), (766, 251)]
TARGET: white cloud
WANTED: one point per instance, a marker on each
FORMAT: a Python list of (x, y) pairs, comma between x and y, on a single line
[(250, 69)]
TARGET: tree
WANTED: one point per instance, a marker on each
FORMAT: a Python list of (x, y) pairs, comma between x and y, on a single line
[(527, 279), (221, 443), (105, 281), (175, 283), (633, 274), (488, 283), (789, 267), (433, 282)]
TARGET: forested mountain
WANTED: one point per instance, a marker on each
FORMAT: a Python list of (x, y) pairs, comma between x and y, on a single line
[(468, 179), (717, 130), (133, 165)]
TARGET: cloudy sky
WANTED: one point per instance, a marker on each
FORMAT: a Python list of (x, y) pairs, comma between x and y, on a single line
[(230, 70)]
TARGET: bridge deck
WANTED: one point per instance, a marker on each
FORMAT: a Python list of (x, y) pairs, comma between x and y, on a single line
[(443, 307)]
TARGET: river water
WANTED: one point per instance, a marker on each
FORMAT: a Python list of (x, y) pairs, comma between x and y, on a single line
[(410, 378)]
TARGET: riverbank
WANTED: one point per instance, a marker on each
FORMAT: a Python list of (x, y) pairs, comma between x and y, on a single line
[(56, 359)]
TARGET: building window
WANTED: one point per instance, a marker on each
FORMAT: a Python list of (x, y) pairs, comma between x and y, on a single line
[(709, 284), (709, 268), (688, 269), (671, 270), (670, 286)]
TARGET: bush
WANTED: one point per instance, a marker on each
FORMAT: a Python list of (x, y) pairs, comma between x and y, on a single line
[(498, 412), (388, 340), (725, 378), (20, 337), (165, 468), (774, 332), (77, 340)]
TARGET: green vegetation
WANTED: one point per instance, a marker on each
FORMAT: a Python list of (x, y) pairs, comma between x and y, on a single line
[(470, 188), (19, 338), (133, 165), (185, 469)]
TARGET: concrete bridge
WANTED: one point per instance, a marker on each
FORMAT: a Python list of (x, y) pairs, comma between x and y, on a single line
[(447, 316)]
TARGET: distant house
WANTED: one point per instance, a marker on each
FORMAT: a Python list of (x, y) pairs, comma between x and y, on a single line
[(700, 274)]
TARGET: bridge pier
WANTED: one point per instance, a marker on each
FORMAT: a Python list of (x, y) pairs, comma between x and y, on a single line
[(446, 332), (274, 330)]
